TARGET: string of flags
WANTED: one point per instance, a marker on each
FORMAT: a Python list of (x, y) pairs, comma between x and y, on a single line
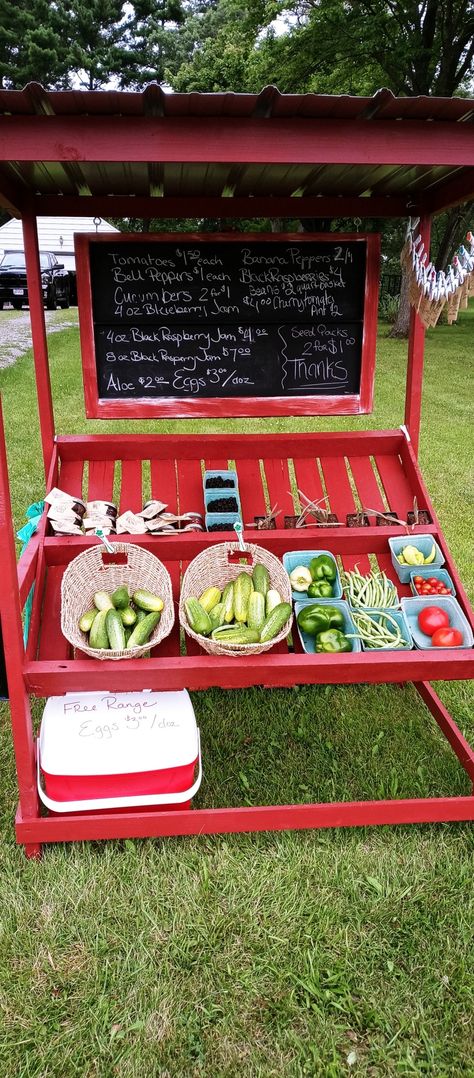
[(431, 289)]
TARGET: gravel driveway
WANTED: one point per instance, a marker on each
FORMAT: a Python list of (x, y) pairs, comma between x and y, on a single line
[(15, 331)]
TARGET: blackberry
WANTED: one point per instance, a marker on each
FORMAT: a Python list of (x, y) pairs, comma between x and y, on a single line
[(223, 505), (217, 481), (226, 526)]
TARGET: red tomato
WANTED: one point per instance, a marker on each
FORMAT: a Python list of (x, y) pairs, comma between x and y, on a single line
[(433, 581), (418, 579), (447, 638), (432, 618)]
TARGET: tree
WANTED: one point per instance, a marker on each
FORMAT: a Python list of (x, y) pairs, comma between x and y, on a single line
[(355, 46), (32, 43), (219, 39), (153, 43), (96, 45)]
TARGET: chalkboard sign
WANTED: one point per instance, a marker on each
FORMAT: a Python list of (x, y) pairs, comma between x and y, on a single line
[(209, 326)]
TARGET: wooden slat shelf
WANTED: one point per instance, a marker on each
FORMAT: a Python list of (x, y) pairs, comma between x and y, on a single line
[(371, 469), (340, 465)]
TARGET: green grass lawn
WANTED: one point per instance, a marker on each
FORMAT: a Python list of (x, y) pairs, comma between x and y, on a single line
[(306, 954)]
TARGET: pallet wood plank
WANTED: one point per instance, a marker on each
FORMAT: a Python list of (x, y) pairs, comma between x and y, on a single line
[(397, 488), (341, 498), (216, 464), (163, 483), (308, 480), (70, 477), (366, 483), (385, 564), (350, 561), (131, 486), (190, 490), (52, 643), (279, 486), (101, 480), (252, 495)]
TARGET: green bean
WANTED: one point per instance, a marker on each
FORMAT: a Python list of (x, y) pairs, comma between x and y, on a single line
[(375, 632), (373, 591)]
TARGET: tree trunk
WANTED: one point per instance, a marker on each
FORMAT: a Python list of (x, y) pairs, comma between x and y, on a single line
[(401, 324), (457, 221)]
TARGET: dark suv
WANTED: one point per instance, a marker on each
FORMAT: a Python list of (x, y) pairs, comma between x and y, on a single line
[(54, 280)]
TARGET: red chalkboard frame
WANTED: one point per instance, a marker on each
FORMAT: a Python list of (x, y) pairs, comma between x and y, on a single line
[(223, 407)]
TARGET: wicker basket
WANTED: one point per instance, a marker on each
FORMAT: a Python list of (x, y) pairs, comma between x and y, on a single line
[(88, 573), (212, 567)]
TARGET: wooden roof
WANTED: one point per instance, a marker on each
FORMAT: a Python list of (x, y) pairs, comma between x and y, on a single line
[(152, 153)]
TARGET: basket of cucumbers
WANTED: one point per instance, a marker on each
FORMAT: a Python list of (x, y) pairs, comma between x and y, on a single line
[(116, 609), (234, 601)]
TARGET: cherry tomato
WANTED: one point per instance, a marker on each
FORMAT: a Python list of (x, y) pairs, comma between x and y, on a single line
[(447, 638), (418, 579), (433, 580), (432, 618)]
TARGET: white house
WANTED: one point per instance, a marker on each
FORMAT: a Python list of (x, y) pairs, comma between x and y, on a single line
[(54, 234)]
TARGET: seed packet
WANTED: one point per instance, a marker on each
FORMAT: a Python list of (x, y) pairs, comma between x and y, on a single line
[(61, 501), (130, 522), (101, 509), (152, 509), (94, 521), (65, 528)]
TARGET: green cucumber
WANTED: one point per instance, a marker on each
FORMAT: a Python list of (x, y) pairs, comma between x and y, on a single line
[(198, 618), (98, 635), (210, 598), (143, 629), (115, 630), (256, 615), (103, 601), (235, 634), (120, 597), (217, 615), (243, 588), (228, 602), (261, 578), (86, 621), (146, 600), (129, 616), (275, 622)]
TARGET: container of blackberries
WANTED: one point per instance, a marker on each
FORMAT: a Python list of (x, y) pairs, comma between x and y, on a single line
[(220, 480)]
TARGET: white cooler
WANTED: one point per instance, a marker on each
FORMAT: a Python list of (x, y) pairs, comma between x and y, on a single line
[(103, 750)]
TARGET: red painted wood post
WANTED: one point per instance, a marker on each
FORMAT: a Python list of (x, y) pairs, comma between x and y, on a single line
[(38, 333), (12, 631), (416, 355)]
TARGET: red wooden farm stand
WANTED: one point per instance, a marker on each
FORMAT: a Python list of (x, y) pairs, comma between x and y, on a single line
[(225, 156)]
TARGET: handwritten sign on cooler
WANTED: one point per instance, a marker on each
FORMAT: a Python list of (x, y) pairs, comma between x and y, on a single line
[(109, 733)]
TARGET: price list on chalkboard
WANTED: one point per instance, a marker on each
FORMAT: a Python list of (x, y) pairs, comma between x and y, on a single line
[(192, 318)]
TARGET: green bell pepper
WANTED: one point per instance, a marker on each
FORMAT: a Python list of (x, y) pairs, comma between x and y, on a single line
[(320, 589), (323, 568), (332, 642), (317, 618)]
